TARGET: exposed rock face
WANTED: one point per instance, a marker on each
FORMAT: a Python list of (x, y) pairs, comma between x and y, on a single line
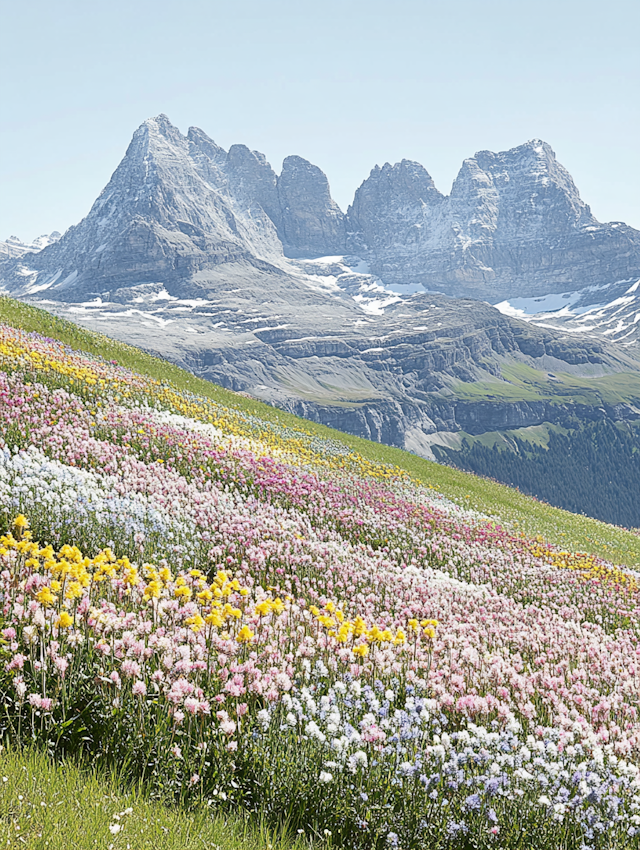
[(252, 176), (513, 225), (393, 378), (391, 207), (312, 224), (180, 205)]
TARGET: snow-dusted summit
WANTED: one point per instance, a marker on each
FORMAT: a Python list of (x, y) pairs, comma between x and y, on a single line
[(14, 246)]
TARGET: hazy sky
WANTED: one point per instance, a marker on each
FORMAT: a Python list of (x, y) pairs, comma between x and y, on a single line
[(345, 83)]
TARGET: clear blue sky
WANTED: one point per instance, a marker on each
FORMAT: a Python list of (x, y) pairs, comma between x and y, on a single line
[(345, 83)]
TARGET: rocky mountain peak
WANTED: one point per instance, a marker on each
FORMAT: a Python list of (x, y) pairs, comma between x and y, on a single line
[(312, 224), (391, 204), (14, 247), (513, 225), (253, 178), (522, 193)]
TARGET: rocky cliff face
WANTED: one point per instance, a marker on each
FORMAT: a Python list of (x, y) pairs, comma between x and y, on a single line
[(180, 205), (312, 224), (513, 225)]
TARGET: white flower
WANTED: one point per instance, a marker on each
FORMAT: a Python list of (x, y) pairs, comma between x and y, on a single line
[(115, 828), (264, 718), (358, 759), (544, 801), (521, 773), (313, 731), (325, 777)]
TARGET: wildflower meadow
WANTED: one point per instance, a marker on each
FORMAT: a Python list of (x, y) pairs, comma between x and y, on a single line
[(244, 616)]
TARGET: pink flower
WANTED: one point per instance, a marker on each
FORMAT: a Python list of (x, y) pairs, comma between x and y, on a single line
[(191, 704), (228, 726), (130, 667), (139, 688), (61, 665), (242, 709)]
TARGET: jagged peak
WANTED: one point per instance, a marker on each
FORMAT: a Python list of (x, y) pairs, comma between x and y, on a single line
[(535, 151), (199, 139), (402, 182)]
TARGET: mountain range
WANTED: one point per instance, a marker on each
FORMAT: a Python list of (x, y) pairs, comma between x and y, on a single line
[(413, 318)]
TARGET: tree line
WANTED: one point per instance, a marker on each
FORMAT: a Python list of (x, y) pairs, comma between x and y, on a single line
[(594, 470)]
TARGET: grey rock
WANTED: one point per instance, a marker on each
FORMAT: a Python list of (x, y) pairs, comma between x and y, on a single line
[(312, 224), (513, 225), (14, 247), (391, 207)]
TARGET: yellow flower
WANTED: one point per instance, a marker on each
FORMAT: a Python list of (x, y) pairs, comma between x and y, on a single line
[(430, 632), (245, 635), (214, 619), (263, 608), (359, 627), (196, 622), (64, 621), (182, 592), (400, 637), (361, 650), (45, 597), (204, 596), (21, 522), (153, 589), (73, 591)]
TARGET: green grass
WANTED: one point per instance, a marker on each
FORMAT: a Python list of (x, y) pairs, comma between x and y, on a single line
[(45, 806), (524, 383), (507, 505)]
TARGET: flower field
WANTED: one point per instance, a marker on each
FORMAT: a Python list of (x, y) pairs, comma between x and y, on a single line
[(246, 615)]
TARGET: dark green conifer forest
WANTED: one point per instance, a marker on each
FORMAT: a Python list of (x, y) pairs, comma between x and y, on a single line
[(593, 470)]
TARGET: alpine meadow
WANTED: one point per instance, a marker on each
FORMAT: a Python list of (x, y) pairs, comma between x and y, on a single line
[(239, 617)]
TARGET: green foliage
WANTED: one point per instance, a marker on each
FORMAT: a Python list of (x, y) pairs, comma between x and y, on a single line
[(595, 469), (57, 807)]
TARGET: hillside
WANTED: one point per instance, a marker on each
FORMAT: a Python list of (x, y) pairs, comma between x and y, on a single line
[(412, 319), (580, 533), (238, 609)]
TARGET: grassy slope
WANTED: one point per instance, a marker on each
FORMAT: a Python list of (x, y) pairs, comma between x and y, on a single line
[(524, 383), (507, 505), (58, 807)]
